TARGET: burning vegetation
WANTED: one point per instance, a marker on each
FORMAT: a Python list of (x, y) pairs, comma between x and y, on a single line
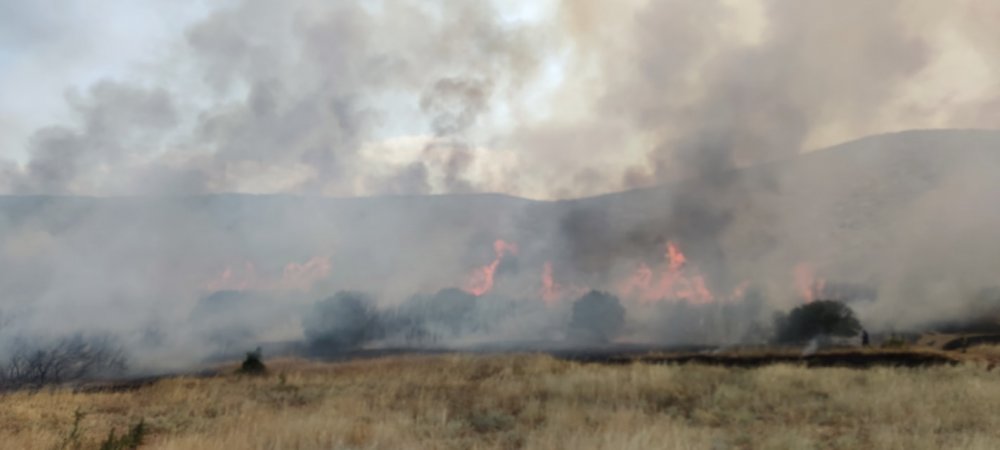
[(677, 280), (482, 279), (668, 303), (674, 306), (707, 261)]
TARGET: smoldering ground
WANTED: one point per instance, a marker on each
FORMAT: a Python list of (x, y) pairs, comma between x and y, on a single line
[(703, 108)]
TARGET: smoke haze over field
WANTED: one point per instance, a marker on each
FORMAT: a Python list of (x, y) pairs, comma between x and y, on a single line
[(121, 215)]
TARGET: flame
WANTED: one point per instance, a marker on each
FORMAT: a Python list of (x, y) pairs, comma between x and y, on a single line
[(639, 280), (294, 276), (677, 281), (740, 290), (303, 276), (552, 291), (676, 258), (481, 280), (234, 280), (809, 286)]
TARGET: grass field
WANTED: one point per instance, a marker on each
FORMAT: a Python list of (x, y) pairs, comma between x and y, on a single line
[(527, 401)]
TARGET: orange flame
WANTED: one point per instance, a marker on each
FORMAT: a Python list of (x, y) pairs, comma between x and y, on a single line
[(676, 258), (677, 281), (295, 276), (481, 280), (303, 276), (553, 291), (809, 286), (233, 280)]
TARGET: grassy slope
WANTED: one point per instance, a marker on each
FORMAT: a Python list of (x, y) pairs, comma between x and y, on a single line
[(532, 402)]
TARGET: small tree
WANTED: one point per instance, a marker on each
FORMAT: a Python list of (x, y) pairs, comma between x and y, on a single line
[(38, 363), (254, 364), (597, 317), (818, 318)]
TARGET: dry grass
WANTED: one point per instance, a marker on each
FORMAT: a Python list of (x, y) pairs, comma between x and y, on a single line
[(990, 352), (531, 402)]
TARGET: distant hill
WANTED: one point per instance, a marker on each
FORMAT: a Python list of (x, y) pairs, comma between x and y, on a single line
[(913, 213)]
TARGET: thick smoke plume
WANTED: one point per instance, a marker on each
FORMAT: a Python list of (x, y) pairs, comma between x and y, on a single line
[(135, 213)]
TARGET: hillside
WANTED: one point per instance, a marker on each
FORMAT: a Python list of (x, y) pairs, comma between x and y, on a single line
[(908, 213)]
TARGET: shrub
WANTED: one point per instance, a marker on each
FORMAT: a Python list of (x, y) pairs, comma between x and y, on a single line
[(597, 317), (342, 322), (815, 319), (253, 364)]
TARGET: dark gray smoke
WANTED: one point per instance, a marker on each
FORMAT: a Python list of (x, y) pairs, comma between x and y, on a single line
[(288, 98), (755, 104)]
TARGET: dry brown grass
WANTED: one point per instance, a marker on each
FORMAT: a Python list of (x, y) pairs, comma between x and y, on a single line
[(532, 402)]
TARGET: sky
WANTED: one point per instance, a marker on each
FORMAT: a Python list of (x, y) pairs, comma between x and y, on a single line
[(540, 99)]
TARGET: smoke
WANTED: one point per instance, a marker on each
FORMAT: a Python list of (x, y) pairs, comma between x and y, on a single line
[(283, 98), (306, 96), (700, 109), (748, 105), (118, 122)]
